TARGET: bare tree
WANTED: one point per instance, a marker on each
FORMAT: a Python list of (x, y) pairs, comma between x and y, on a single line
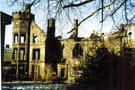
[(120, 11)]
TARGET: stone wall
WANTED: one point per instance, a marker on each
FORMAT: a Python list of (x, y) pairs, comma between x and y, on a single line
[(37, 53)]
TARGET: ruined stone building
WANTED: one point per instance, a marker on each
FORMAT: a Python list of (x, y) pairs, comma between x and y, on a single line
[(33, 49), (28, 45)]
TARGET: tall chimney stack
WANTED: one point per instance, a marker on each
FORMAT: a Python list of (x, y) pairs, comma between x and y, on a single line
[(51, 28)]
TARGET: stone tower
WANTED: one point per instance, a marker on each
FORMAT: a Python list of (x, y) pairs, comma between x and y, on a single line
[(21, 31)]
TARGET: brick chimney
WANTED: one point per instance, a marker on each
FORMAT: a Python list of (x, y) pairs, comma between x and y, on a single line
[(51, 28)]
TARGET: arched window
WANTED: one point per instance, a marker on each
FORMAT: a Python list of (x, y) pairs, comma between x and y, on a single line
[(77, 51)]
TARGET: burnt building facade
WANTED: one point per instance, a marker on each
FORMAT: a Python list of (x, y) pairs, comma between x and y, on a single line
[(33, 50)]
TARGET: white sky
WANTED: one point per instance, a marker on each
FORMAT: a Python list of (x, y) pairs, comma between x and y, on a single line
[(84, 30)]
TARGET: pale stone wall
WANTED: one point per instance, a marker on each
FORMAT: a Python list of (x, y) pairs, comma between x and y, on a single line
[(40, 44), (20, 27), (71, 61)]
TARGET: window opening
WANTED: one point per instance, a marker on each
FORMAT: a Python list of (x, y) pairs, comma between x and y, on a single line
[(77, 51), (15, 54), (23, 38), (15, 38), (62, 72), (36, 54), (130, 34), (22, 54), (34, 38), (35, 72)]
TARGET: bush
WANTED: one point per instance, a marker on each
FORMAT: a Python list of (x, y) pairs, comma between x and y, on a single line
[(95, 71)]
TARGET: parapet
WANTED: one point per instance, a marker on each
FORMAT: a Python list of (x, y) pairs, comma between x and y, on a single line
[(19, 14), (22, 15)]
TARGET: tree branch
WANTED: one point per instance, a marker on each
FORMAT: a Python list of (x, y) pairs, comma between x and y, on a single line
[(118, 7), (132, 18), (97, 11), (78, 4), (34, 2)]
